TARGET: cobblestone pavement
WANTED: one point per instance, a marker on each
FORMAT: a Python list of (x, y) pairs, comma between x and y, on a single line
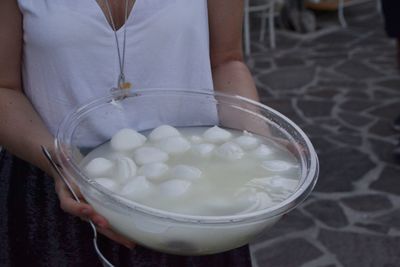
[(343, 88)]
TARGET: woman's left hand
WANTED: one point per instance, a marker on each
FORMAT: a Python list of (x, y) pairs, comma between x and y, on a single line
[(86, 212)]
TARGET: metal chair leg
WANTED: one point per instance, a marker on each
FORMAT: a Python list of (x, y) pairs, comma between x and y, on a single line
[(342, 20), (247, 44), (263, 25), (272, 25), (379, 7)]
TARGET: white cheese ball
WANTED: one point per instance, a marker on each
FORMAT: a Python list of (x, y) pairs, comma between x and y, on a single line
[(275, 185), (256, 200), (229, 151), (154, 171), (174, 145), (262, 151), (284, 183), (216, 135), (276, 165), (126, 140), (136, 188), (195, 139), (174, 187), (147, 154), (203, 150), (259, 183), (99, 167), (107, 183), (223, 206), (163, 131), (246, 142), (185, 172), (281, 188), (125, 168)]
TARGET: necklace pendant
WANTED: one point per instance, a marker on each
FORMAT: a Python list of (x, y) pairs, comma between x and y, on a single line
[(125, 85), (122, 84)]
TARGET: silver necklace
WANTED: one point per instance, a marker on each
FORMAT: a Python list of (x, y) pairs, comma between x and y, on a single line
[(121, 83)]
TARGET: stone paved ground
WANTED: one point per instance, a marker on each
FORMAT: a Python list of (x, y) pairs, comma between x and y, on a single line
[(343, 88)]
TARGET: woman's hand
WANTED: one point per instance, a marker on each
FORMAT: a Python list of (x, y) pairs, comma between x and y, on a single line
[(22, 132), (86, 212)]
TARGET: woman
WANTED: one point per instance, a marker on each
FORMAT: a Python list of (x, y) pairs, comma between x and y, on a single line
[(391, 9), (56, 55)]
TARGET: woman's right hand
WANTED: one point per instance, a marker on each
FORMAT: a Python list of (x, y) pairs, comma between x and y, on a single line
[(22, 131), (86, 212)]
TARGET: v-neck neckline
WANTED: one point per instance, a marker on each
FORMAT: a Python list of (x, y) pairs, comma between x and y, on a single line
[(105, 16)]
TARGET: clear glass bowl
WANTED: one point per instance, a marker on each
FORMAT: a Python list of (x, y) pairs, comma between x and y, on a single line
[(94, 124)]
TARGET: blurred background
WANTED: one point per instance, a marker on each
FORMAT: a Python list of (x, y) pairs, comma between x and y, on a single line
[(330, 66)]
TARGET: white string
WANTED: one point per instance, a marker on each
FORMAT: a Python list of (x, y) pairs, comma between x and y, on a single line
[(121, 60)]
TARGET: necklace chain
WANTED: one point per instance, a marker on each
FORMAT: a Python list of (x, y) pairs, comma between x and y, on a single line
[(122, 84)]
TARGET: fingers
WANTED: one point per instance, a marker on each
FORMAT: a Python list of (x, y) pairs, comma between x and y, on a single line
[(116, 237), (80, 209), (70, 205), (86, 212)]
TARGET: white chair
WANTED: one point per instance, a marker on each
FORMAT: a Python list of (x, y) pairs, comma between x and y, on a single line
[(343, 3), (267, 9), (340, 5)]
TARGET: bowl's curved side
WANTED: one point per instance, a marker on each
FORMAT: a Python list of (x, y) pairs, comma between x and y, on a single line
[(177, 237), (177, 233)]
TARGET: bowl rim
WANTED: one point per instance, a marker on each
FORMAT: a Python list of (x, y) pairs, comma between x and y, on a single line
[(276, 210)]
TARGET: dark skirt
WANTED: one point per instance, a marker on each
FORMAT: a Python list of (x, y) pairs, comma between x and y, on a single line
[(391, 13), (34, 231)]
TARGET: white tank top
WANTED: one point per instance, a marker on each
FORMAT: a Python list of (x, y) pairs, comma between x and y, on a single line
[(70, 55)]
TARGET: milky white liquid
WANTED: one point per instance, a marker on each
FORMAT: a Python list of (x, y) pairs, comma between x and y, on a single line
[(225, 187)]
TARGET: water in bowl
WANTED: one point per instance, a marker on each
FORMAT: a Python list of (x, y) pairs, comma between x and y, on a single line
[(195, 170)]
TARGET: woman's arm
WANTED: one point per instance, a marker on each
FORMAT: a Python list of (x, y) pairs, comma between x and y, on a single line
[(230, 73), (22, 131)]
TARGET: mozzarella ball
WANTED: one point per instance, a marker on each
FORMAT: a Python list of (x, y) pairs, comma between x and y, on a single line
[(276, 165), (174, 187), (174, 145), (275, 185), (251, 199), (153, 171), (216, 135), (125, 168), (246, 142), (99, 167), (284, 183), (229, 151), (138, 187), (163, 131), (185, 172), (146, 155), (203, 150), (107, 183), (126, 140), (195, 139), (256, 200), (262, 151)]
